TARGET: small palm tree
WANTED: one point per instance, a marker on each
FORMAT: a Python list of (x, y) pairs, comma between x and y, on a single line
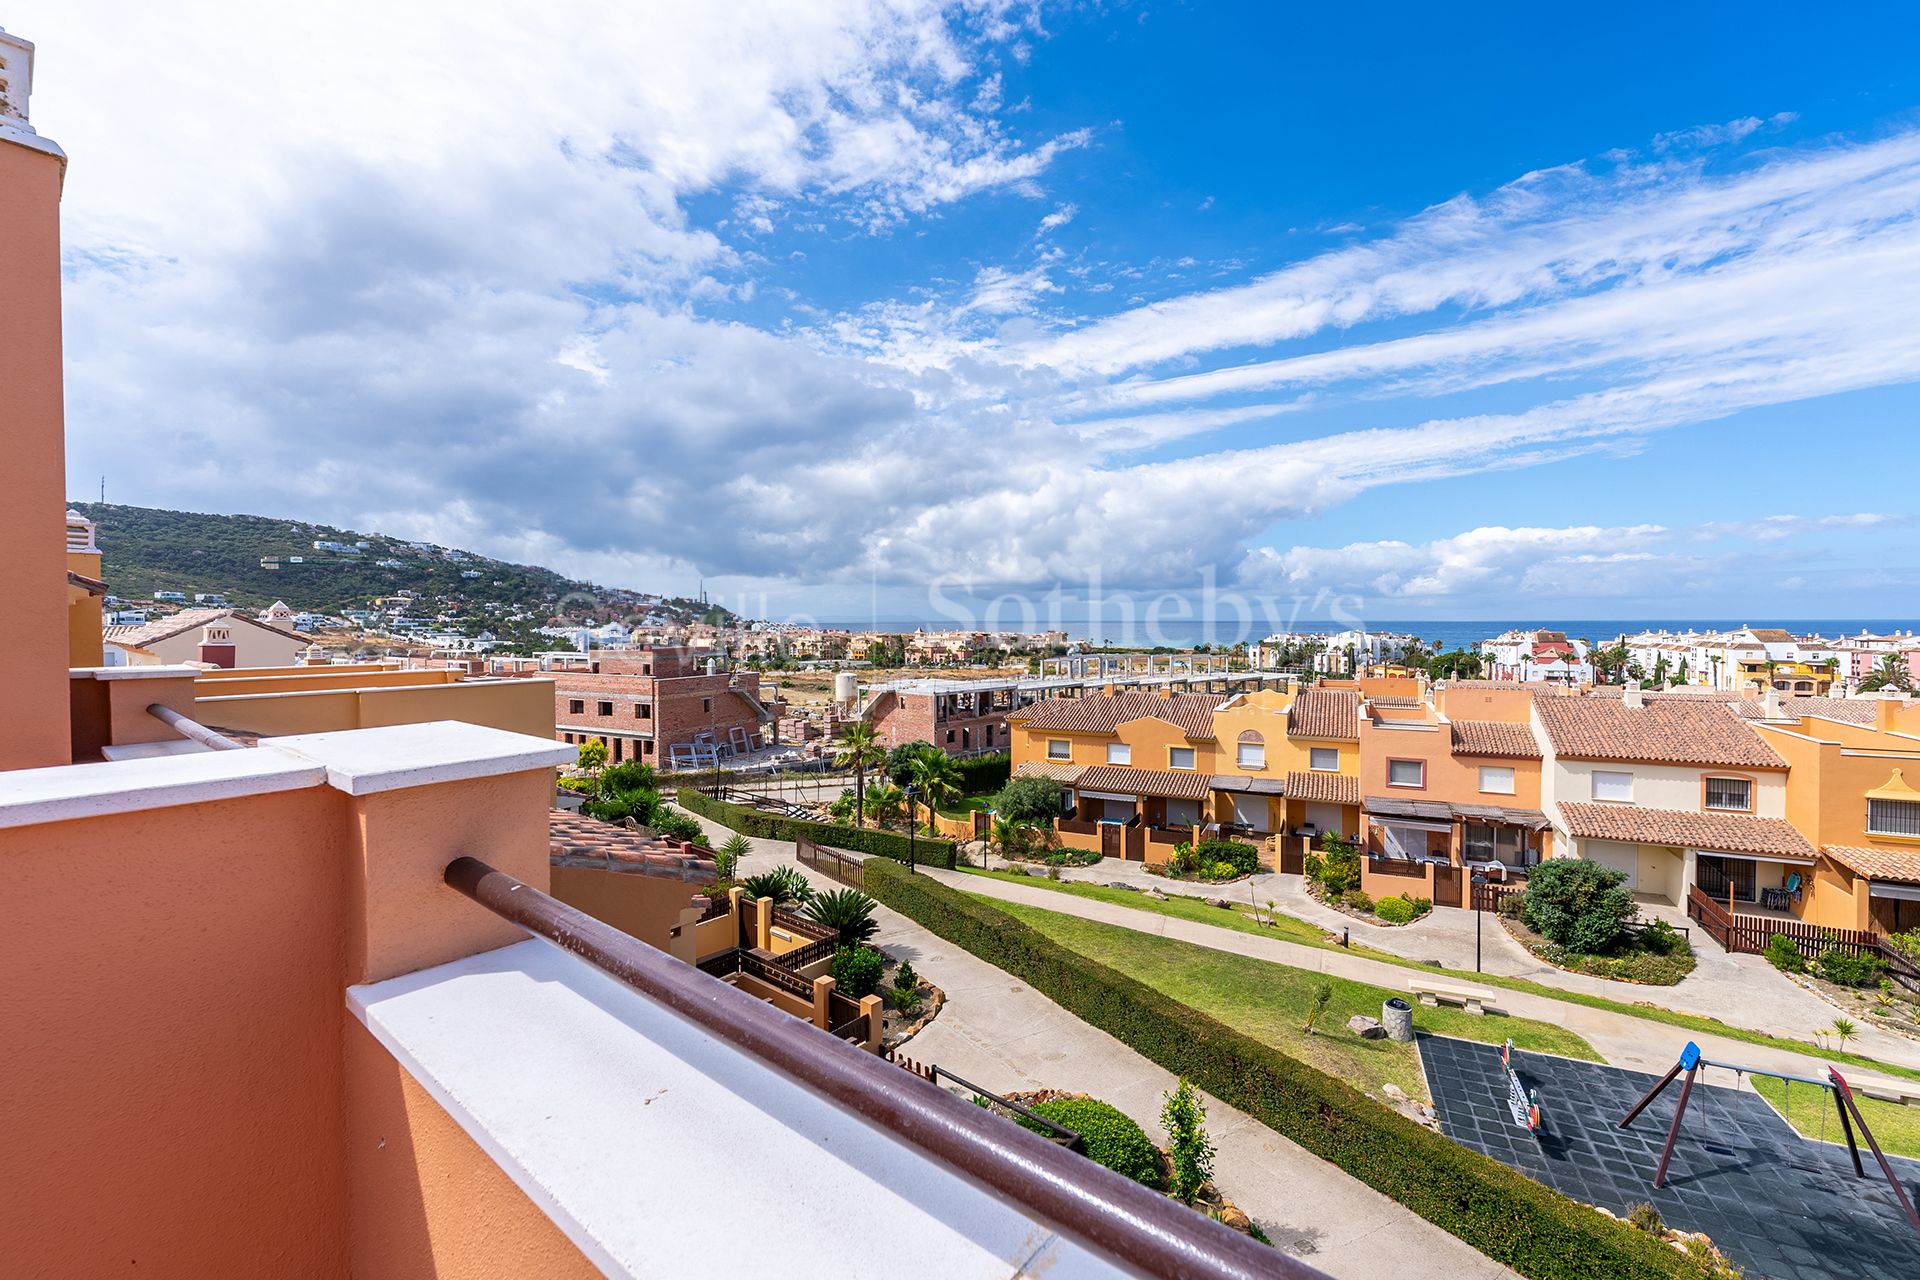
[(848, 911), (936, 778), (1010, 834), (782, 884), (726, 859), (861, 751), (1888, 673), (886, 800)]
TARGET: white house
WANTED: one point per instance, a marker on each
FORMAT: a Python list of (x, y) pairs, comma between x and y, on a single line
[(176, 639)]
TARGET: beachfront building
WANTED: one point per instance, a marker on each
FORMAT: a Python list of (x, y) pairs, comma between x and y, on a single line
[(1537, 656), (1674, 791), (1336, 653)]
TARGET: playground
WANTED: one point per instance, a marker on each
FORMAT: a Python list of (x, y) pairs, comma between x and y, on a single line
[(1780, 1205)]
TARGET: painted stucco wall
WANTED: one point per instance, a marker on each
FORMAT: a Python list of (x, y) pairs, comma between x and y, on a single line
[(33, 503), (425, 1199), (520, 706), (173, 1008), (641, 906), (1666, 786)]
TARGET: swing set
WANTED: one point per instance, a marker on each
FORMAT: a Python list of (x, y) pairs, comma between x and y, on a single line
[(1843, 1103)]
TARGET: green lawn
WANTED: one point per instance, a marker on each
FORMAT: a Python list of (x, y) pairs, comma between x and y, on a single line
[(965, 805), (1292, 929), (1269, 1002), (1895, 1127)]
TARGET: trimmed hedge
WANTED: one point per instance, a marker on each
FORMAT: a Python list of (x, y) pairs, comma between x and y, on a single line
[(980, 775), (929, 850), (1109, 1135), (1505, 1215)]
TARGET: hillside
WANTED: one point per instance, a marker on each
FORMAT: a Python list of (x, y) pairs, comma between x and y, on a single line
[(255, 560)]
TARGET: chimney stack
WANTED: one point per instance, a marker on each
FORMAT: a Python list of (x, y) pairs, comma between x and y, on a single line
[(1886, 713), (1770, 705), (16, 81), (216, 645), (1633, 697)]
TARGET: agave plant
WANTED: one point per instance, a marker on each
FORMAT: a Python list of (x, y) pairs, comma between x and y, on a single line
[(783, 884), (848, 911)]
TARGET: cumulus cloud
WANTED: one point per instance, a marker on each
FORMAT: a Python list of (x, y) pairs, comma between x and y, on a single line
[(504, 277)]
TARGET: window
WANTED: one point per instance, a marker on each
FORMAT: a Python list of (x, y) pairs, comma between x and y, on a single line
[(1406, 773), (1253, 751), (1324, 759), (1893, 817), (706, 704), (1497, 844), (949, 737), (642, 711), (1119, 753), (606, 708), (1608, 785), (1059, 749), (1496, 779), (1180, 757), (576, 706), (1730, 793)]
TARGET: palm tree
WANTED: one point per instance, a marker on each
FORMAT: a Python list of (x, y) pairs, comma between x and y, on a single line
[(937, 779), (848, 911), (886, 803), (1010, 834), (861, 750), (1888, 673)]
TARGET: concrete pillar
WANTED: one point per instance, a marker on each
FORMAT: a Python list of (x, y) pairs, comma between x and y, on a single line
[(875, 1012), (763, 924), (822, 991)]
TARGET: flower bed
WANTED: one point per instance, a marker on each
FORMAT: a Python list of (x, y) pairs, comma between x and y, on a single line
[(1626, 962)]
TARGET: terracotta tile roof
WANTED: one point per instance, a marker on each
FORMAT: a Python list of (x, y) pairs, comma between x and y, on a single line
[(1174, 784), (1494, 738), (1395, 700), (1850, 710), (1332, 714), (1877, 864), (1667, 731), (575, 840), (1323, 788), (187, 620), (1725, 832), (1049, 769), (1104, 713)]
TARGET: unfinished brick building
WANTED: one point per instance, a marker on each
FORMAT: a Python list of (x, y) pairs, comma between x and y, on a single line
[(661, 705)]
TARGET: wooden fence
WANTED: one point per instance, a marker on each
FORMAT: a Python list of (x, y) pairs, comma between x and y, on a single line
[(837, 864), (1749, 934)]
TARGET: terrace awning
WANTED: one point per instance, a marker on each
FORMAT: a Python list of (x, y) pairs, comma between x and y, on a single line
[(1249, 786), (1170, 784)]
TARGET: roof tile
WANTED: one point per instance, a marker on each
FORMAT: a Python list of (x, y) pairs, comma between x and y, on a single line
[(1494, 738), (1106, 712), (1901, 865), (1174, 784), (1725, 832), (1323, 788), (1329, 714), (1666, 731)]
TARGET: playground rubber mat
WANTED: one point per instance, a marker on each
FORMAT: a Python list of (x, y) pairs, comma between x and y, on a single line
[(1781, 1206)]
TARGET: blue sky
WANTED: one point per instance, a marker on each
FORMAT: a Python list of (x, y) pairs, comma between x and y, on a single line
[(838, 305)]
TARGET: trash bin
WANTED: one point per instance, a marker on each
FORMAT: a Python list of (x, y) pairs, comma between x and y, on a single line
[(1396, 1015)]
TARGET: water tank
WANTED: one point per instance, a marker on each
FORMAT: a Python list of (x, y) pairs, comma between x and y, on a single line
[(846, 686), (713, 666)]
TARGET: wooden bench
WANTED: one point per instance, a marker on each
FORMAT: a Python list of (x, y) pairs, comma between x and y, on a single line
[(1431, 994)]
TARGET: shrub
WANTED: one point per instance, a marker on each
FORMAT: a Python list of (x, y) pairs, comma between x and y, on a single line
[(1317, 1005), (1661, 939), (904, 976), (782, 884), (629, 775), (1421, 906), (593, 754), (1219, 871), (856, 970), (1110, 1137), (903, 999), (847, 911), (1846, 970), (1646, 1218), (982, 774), (638, 803), (1505, 1215), (1514, 904), (1395, 910), (1578, 903), (1357, 900), (773, 826), (1188, 1152), (678, 826), (1335, 867)]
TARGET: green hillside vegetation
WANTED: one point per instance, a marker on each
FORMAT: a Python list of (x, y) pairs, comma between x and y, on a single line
[(145, 550)]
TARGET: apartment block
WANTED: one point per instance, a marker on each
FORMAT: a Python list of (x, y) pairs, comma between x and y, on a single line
[(667, 706)]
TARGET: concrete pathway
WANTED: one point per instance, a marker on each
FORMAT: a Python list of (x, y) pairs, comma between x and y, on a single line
[(1739, 990), (1003, 1035)]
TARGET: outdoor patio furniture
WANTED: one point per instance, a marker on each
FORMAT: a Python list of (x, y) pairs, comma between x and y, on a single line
[(1776, 899)]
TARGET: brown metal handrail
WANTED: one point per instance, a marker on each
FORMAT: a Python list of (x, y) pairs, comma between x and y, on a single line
[(1133, 1227), (193, 729)]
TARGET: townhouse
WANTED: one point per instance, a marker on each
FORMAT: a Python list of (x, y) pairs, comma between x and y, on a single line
[(1674, 791), (1450, 790)]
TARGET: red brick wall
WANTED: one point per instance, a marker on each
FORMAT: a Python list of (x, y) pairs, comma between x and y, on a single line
[(897, 719), (677, 709)]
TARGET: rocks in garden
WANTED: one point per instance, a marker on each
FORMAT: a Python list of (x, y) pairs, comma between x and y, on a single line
[(1366, 1028), (1395, 1094), (1217, 902), (1121, 884)]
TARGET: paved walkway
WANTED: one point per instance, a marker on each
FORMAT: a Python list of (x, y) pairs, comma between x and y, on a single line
[(999, 1032), (1739, 990)]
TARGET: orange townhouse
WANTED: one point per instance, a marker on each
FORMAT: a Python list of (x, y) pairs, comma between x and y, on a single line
[(1853, 790), (1450, 788)]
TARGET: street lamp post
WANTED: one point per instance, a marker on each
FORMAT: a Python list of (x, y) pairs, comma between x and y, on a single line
[(912, 822)]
